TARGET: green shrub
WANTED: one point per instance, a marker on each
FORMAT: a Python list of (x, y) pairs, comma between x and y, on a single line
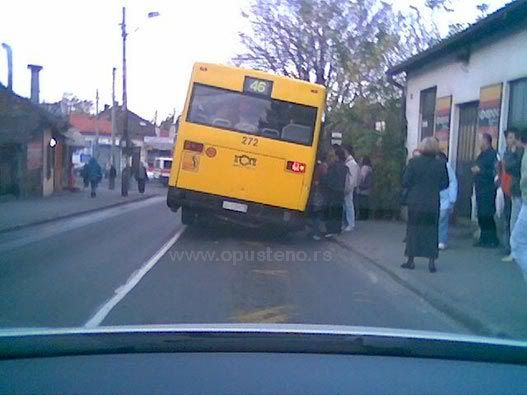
[(385, 148)]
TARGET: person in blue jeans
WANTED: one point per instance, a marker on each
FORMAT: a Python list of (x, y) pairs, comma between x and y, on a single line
[(519, 233), (447, 199), (512, 165)]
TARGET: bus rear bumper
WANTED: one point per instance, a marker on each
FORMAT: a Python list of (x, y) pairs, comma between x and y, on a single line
[(212, 205)]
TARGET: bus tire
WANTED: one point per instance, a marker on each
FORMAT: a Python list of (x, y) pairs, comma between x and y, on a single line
[(188, 215)]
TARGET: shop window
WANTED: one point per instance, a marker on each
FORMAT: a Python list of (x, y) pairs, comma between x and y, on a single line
[(427, 104), (518, 104)]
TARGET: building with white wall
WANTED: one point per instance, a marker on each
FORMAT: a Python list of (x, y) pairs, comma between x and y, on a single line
[(471, 83)]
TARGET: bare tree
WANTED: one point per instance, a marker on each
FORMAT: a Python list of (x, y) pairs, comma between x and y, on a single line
[(346, 46)]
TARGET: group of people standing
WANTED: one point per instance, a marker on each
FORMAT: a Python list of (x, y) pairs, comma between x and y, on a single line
[(92, 175), (430, 191), (510, 174), (339, 182)]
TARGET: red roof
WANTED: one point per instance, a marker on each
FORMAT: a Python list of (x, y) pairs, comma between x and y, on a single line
[(85, 123), (164, 133)]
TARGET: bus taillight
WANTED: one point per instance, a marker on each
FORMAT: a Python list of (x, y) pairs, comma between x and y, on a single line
[(193, 146), (296, 167)]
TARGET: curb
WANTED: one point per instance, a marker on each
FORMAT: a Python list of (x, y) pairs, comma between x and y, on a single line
[(470, 321), (75, 214)]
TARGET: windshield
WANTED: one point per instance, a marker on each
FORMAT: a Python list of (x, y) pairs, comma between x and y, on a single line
[(332, 162), (244, 113)]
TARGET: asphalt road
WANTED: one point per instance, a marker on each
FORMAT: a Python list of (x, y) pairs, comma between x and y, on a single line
[(136, 264)]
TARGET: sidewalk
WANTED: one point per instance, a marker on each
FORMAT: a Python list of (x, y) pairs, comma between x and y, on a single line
[(15, 214), (472, 284)]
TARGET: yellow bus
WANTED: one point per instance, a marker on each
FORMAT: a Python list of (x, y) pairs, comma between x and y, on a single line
[(246, 147)]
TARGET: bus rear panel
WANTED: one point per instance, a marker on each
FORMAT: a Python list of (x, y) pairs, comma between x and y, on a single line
[(246, 146)]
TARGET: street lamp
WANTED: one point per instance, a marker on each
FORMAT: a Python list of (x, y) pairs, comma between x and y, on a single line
[(126, 174)]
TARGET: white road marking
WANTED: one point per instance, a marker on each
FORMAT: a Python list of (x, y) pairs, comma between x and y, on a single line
[(134, 279)]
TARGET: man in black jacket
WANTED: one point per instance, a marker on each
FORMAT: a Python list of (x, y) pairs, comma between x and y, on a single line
[(485, 184)]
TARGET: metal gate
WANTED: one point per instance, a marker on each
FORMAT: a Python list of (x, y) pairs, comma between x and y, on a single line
[(466, 154)]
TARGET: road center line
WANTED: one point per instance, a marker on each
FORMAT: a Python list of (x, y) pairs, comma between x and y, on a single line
[(134, 279)]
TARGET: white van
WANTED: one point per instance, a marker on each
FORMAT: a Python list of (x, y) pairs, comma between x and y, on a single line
[(161, 171)]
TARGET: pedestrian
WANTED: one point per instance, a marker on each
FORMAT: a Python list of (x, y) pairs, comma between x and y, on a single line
[(504, 207), (334, 184), (519, 232), (447, 200), (511, 170), (94, 175), (485, 174), (112, 174), (364, 189), (352, 181), (125, 179), (318, 202), (85, 176), (141, 178), (424, 178)]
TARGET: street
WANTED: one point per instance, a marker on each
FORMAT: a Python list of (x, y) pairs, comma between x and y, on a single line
[(136, 264)]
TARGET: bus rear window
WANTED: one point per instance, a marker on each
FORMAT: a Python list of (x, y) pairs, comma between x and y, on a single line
[(262, 116)]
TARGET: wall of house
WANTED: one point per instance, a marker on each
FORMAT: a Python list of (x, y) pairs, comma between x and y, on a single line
[(500, 61), (47, 182)]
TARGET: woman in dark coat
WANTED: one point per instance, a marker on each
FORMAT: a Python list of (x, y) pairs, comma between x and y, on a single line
[(333, 185), (424, 178), (141, 177)]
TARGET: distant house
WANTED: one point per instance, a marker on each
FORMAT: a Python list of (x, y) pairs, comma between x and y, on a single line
[(470, 83), (34, 145), (88, 125), (162, 144)]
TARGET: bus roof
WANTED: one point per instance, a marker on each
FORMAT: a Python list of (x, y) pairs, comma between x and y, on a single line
[(261, 73)]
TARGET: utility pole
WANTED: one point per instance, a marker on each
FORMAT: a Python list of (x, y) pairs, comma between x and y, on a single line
[(96, 152), (112, 149), (125, 178), (126, 173)]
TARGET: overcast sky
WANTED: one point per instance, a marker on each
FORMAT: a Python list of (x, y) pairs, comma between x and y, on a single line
[(78, 42)]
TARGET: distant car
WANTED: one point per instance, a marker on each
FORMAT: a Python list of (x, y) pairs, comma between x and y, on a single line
[(150, 171), (161, 170)]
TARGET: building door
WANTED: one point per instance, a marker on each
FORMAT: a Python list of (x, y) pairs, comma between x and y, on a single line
[(7, 169), (466, 154)]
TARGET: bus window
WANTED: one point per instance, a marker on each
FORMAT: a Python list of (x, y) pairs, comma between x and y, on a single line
[(241, 112)]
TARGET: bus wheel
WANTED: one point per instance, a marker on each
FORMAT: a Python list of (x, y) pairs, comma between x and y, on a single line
[(188, 215)]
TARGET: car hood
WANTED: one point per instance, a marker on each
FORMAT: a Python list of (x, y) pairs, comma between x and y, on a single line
[(283, 338)]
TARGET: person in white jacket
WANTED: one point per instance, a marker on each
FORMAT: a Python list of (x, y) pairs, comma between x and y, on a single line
[(351, 183), (447, 198)]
